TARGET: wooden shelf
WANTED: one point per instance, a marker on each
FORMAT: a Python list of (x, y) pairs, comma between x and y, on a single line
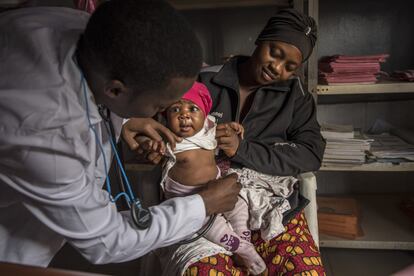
[(211, 4), (383, 87), (384, 225), (386, 167)]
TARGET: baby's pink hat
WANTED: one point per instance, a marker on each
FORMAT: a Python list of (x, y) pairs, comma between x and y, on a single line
[(199, 95)]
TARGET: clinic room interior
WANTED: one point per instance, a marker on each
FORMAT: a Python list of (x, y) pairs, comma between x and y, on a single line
[(207, 137)]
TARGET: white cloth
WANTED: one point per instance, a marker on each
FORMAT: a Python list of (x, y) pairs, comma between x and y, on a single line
[(204, 139), (51, 169), (176, 259), (267, 197)]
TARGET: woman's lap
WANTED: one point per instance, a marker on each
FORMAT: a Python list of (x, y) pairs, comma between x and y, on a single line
[(291, 253)]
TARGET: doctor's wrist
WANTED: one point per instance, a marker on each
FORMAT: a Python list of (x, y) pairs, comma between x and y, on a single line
[(220, 195)]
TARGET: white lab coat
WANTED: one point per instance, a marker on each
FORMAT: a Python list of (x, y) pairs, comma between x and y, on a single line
[(51, 169)]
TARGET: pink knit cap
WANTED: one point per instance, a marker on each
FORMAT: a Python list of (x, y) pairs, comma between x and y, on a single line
[(199, 95)]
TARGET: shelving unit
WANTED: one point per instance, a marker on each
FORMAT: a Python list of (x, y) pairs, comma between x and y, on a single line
[(380, 213), (373, 167), (383, 87), (362, 28)]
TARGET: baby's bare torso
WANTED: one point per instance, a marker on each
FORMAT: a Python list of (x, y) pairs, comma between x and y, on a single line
[(194, 167)]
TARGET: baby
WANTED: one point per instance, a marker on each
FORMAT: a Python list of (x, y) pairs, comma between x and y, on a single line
[(192, 164)]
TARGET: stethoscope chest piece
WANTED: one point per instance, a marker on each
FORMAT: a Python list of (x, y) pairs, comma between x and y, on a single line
[(140, 215)]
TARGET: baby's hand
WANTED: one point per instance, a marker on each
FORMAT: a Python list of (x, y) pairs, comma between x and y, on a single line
[(154, 146), (238, 128), (151, 149)]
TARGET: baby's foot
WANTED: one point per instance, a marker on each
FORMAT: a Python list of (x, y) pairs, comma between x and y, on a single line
[(251, 258)]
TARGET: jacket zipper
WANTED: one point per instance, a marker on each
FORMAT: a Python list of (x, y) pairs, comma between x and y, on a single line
[(238, 107)]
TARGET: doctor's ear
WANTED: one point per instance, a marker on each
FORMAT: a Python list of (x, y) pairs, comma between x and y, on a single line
[(114, 88)]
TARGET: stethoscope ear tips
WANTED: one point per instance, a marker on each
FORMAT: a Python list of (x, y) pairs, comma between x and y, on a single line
[(141, 216)]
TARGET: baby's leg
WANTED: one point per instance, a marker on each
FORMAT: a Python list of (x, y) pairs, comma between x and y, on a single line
[(221, 234), (239, 219)]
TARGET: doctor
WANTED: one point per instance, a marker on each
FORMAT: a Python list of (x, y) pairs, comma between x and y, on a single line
[(135, 58)]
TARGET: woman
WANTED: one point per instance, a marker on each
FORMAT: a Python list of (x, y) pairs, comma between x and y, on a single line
[(282, 136)]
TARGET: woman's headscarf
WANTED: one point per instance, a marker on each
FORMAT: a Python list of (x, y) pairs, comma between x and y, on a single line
[(292, 27)]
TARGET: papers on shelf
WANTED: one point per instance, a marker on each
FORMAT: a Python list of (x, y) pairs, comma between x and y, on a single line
[(388, 146), (381, 126), (330, 131), (340, 69), (384, 144), (392, 144), (344, 145)]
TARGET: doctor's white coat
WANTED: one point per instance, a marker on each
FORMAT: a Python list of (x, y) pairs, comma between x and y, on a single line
[(51, 169)]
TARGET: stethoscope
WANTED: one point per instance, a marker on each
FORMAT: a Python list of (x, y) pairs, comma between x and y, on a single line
[(141, 216)]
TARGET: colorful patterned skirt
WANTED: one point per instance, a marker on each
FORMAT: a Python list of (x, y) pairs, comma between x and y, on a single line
[(291, 253)]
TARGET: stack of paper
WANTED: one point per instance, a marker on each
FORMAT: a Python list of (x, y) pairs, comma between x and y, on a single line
[(333, 131), (341, 69), (344, 145), (387, 147)]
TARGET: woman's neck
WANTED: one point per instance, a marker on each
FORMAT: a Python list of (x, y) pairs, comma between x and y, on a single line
[(246, 81)]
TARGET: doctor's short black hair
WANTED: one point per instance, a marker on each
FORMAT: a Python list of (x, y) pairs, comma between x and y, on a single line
[(143, 43)]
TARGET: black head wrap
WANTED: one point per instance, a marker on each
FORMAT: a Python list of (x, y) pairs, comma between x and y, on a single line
[(292, 27)]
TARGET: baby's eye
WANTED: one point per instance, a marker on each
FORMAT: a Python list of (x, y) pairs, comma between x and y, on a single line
[(194, 109), (174, 109)]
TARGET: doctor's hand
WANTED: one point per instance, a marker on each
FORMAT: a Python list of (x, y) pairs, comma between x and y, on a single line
[(147, 127), (220, 195), (228, 137)]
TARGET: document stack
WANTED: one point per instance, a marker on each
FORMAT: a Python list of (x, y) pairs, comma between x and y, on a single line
[(344, 145), (340, 69), (390, 148)]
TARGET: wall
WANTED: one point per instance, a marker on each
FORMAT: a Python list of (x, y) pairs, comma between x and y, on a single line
[(355, 27), (228, 31), (368, 27)]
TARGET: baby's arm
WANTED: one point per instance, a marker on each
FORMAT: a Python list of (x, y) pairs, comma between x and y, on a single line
[(238, 128)]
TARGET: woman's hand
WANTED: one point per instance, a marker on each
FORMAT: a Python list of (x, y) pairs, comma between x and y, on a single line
[(238, 128), (228, 139), (147, 127)]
